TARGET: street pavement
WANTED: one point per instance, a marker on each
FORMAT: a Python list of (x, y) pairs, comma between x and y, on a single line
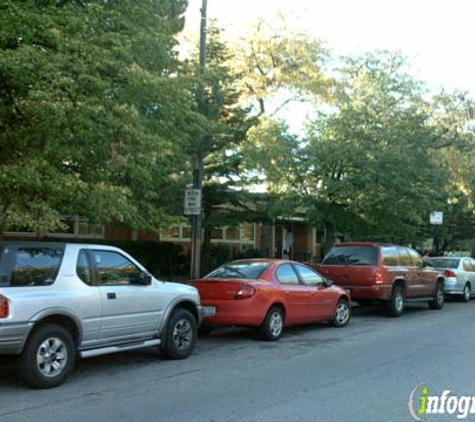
[(364, 372)]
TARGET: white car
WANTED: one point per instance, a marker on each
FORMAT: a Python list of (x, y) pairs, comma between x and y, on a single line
[(59, 301), (459, 274)]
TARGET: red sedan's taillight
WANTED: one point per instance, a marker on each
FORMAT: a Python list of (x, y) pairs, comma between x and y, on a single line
[(245, 292), (4, 307), (450, 273)]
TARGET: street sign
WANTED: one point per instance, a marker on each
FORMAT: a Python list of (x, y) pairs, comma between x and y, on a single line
[(436, 218), (192, 201)]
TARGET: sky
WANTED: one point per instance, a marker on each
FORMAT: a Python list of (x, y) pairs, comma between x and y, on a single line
[(437, 36)]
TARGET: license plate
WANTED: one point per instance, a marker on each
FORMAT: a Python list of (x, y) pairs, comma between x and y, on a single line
[(208, 311)]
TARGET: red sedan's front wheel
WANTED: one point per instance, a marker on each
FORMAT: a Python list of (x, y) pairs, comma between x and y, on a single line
[(342, 314)]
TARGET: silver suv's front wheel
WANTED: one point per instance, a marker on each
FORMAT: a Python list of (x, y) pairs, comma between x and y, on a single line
[(48, 357), (180, 335)]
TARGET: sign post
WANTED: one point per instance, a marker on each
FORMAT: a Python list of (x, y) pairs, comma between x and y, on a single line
[(436, 219)]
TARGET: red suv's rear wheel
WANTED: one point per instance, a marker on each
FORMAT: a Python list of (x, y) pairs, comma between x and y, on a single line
[(395, 307), (438, 301)]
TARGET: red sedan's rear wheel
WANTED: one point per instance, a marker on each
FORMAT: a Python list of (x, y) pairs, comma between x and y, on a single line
[(273, 325)]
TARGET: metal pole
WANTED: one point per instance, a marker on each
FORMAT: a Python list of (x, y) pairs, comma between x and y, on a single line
[(198, 154)]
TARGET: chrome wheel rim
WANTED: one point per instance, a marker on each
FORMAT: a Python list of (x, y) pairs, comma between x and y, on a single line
[(182, 334), (399, 302), (276, 324), (52, 357), (342, 313), (466, 293)]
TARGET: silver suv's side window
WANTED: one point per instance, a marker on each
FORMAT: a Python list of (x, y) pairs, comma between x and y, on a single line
[(114, 269), (35, 266), (82, 268)]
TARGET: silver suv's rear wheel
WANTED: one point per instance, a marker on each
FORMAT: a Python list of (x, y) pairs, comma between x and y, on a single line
[(48, 357)]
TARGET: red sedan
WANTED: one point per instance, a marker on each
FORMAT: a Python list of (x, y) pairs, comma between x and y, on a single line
[(270, 294)]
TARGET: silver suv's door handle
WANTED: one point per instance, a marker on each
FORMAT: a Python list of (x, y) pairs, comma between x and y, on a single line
[(111, 296)]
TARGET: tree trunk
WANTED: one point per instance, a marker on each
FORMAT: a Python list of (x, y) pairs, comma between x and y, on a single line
[(328, 236), (206, 252)]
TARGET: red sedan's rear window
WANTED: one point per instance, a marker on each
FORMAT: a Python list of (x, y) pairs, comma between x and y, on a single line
[(351, 255), (244, 270)]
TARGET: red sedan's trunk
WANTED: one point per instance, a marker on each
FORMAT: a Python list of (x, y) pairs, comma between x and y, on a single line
[(218, 289)]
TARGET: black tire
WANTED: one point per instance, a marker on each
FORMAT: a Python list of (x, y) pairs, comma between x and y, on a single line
[(342, 315), (438, 301), (273, 325), (395, 306), (180, 335), (467, 293), (54, 345)]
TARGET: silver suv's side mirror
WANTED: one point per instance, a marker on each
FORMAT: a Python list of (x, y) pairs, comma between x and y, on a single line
[(144, 278)]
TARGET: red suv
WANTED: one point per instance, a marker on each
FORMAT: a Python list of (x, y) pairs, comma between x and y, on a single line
[(386, 274)]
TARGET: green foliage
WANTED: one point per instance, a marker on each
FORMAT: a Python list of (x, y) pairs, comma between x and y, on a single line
[(277, 61), (366, 166), (93, 111)]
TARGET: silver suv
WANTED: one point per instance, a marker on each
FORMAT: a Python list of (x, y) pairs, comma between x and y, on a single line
[(60, 301)]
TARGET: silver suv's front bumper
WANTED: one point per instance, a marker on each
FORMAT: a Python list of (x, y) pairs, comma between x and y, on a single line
[(13, 337)]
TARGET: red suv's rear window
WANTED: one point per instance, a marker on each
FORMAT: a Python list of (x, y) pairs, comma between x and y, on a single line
[(351, 255)]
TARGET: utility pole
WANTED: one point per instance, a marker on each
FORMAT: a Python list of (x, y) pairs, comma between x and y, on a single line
[(198, 155)]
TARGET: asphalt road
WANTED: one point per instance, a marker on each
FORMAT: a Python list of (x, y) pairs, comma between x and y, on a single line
[(364, 372)]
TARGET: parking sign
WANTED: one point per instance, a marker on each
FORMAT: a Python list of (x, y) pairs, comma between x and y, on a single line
[(192, 201)]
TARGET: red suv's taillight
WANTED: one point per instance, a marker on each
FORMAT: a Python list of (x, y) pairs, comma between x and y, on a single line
[(245, 291), (378, 278), (450, 273), (4, 307)]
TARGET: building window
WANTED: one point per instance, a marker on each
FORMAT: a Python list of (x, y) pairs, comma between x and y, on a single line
[(172, 232), (248, 231), (217, 234), (242, 234), (232, 233)]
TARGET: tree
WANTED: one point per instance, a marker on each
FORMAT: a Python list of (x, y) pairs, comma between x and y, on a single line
[(364, 166), (452, 119), (281, 65), (94, 111), (227, 123)]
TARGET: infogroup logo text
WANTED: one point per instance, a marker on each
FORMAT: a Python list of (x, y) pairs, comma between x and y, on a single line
[(421, 404)]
